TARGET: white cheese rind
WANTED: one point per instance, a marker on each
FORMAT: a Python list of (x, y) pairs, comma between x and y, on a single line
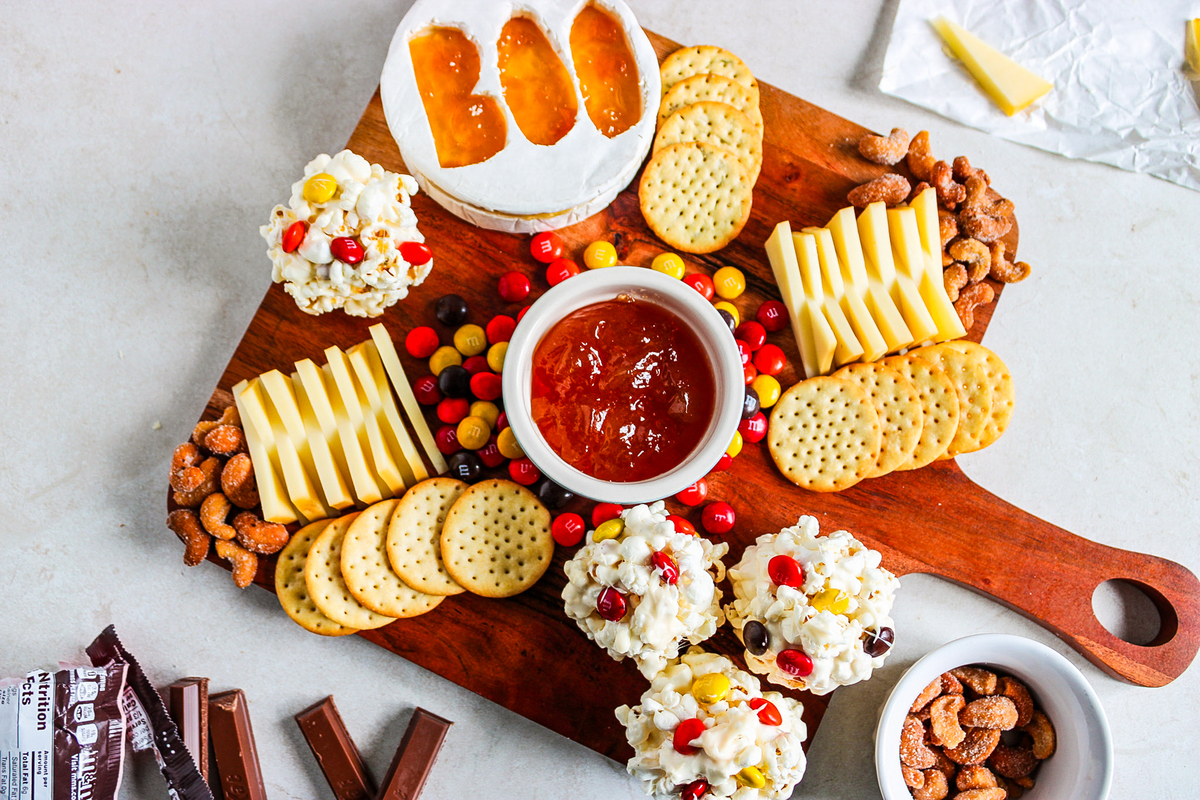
[(523, 178)]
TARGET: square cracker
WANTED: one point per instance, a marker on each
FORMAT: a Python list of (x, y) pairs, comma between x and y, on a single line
[(414, 538), (939, 404), (898, 404), (824, 434), (368, 572), (290, 587), (695, 196), (496, 540)]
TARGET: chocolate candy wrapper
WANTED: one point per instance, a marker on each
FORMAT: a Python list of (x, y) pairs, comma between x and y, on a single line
[(151, 727), (62, 734)]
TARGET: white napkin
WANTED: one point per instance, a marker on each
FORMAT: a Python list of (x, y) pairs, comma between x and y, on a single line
[(1121, 96)]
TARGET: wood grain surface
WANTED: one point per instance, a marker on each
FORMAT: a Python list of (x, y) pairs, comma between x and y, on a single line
[(526, 655)]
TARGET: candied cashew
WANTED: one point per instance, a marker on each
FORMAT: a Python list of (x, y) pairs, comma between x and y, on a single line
[(951, 684), (891, 189), (1042, 731), (954, 278), (245, 563), (237, 481), (210, 469), (1012, 762), (185, 475), (913, 750), (943, 719), (228, 417), (975, 748), (1017, 692), (185, 524), (984, 225), (974, 255), (259, 536), (913, 778), (977, 294), (975, 777), (213, 513), (1008, 271), (920, 158), (935, 787), (949, 193), (225, 440), (993, 793), (963, 171), (947, 226), (887, 150), (927, 694), (995, 713)]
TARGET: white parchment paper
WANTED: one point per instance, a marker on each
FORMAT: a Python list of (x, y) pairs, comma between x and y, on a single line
[(1122, 94)]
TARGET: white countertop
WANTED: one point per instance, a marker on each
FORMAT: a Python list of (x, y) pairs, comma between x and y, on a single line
[(142, 145)]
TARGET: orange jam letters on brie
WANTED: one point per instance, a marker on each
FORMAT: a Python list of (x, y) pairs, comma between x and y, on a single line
[(537, 87), (467, 128), (608, 74)]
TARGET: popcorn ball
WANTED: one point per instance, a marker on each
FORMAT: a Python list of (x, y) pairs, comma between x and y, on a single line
[(640, 586), (812, 611), (347, 238), (705, 729)]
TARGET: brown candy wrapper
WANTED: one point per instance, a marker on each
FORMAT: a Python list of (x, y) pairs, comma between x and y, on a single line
[(150, 724), (62, 734)]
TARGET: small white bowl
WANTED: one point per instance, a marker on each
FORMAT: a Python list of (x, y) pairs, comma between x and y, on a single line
[(1081, 767), (596, 286)]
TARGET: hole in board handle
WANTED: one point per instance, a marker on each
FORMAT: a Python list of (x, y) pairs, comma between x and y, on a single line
[(1134, 612)]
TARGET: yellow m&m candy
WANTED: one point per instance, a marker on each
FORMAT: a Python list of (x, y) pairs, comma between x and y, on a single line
[(732, 309), (495, 356), (751, 777), (668, 264), (729, 282), (735, 446), (507, 444), (443, 357), (767, 389), (320, 188), (710, 688), (470, 340), (835, 601), (609, 530), (486, 411), (599, 255), (473, 432)]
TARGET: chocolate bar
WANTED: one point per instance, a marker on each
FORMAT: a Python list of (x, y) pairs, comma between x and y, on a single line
[(336, 752), (414, 758), (233, 746), (187, 703)]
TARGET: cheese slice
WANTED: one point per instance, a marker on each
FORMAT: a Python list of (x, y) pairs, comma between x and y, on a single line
[(877, 249), (275, 504), (874, 294), (866, 332), (848, 349), (281, 398), (814, 337), (912, 264), (1008, 83), (931, 285), (1193, 47), (364, 358), (330, 476), (345, 447), (395, 371), (363, 420)]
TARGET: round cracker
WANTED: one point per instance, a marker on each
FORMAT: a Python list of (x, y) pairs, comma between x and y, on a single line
[(939, 405), (695, 196), (327, 588), (898, 404), (969, 374), (368, 573), (496, 540), (1003, 390), (716, 123), (708, 86), (414, 539), (705, 58), (824, 434), (291, 589)]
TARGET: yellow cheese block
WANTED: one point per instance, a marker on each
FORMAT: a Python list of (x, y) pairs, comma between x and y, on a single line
[(330, 476), (284, 412), (301, 490), (866, 332), (877, 248), (1008, 83), (848, 349), (363, 420), (395, 371), (275, 504), (814, 337), (368, 368), (926, 207), (906, 242), (345, 447), (912, 308), (931, 286), (879, 303), (1193, 47)]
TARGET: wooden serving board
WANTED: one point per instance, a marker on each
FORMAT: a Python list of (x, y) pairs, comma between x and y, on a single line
[(525, 654)]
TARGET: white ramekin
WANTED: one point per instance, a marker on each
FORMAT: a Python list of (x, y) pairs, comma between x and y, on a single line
[(595, 286), (1081, 767)]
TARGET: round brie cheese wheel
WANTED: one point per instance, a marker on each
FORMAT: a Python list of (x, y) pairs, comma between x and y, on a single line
[(524, 187)]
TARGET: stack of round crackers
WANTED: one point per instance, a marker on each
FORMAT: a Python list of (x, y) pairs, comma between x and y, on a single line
[(866, 420), (695, 192), (401, 557)]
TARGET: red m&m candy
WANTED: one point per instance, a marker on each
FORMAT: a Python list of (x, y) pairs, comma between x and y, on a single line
[(723, 462), (768, 714), (666, 566), (754, 429), (685, 732), (546, 247), (603, 512), (610, 605), (421, 342), (752, 333), (486, 386), (513, 286), (718, 517), (568, 529), (702, 284), (453, 410), (346, 250), (447, 440), (500, 328), (521, 314), (749, 373), (770, 360), (415, 253), (744, 351), (694, 495), (426, 390), (773, 315), (560, 269), (694, 790), (523, 471), (476, 364), (490, 453), (682, 525), (785, 571), (294, 236), (795, 662)]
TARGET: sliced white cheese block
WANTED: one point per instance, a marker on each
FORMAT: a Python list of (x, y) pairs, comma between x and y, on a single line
[(301, 489), (931, 285), (844, 228), (866, 332), (364, 358), (814, 337), (848, 349), (345, 447), (272, 495), (281, 395), (330, 476), (906, 242), (395, 371), (382, 463)]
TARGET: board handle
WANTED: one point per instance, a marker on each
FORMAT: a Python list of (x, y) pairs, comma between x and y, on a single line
[(1053, 580)]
